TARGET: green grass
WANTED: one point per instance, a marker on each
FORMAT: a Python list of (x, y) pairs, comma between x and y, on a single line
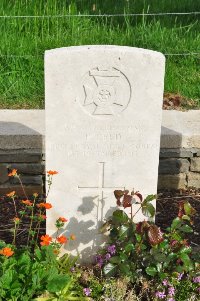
[(22, 78)]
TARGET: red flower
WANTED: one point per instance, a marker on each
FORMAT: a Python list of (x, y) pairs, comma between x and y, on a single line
[(45, 240), (62, 239)]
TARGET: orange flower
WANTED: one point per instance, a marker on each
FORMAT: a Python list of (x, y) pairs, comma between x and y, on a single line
[(6, 252), (27, 202), (46, 239), (63, 219), (52, 172), (45, 205), (11, 194), (62, 239), (16, 220), (13, 173), (72, 237)]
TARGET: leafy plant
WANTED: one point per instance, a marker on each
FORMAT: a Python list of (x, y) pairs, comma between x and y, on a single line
[(141, 249), (34, 271)]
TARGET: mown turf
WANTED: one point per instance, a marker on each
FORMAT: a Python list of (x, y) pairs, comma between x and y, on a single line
[(24, 40)]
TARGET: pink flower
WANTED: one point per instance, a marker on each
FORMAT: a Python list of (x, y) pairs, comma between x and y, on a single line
[(171, 291), (87, 291), (165, 282), (160, 295)]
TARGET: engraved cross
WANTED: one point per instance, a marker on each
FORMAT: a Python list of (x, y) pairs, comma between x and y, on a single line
[(101, 188)]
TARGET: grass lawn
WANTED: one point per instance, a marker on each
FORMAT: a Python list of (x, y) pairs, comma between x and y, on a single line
[(24, 40)]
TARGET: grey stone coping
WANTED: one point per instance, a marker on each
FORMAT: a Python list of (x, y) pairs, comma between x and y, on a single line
[(25, 129)]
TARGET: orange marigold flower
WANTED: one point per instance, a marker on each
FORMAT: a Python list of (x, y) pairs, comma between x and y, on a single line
[(45, 205), (62, 239), (45, 240), (27, 202), (63, 219), (13, 173), (10, 194), (6, 252), (72, 237), (52, 172), (16, 220)]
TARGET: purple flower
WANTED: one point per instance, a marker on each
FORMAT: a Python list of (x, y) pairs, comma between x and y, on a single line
[(111, 249), (87, 291), (171, 291), (107, 256), (165, 282), (198, 289), (160, 295), (196, 279), (171, 299), (180, 275), (99, 260)]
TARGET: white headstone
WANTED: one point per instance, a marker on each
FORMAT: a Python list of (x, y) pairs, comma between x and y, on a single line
[(103, 124)]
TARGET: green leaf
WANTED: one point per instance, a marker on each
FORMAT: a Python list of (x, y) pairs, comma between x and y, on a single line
[(115, 259), (176, 223), (124, 268), (110, 269), (189, 210), (58, 283), (160, 257), (149, 198), (119, 216), (186, 229), (148, 210), (129, 247), (123, 257), (123, 231), (152, 271)]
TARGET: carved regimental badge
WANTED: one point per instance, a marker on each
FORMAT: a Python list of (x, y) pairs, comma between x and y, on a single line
[(105, 91)]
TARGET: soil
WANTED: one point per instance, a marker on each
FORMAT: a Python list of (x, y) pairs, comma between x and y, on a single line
[(166, 211)]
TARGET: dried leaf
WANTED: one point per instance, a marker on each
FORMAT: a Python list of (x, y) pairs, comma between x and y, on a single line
[(127, 201), (155, 235)]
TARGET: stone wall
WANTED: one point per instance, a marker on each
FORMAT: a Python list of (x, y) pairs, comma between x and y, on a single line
[(22, 147), (179, 168), (30, 166)]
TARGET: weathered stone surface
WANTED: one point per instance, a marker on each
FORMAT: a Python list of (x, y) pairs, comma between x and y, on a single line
[(6, 188), (21, 129), (175, 153), (195, 164), (180, 129), (28, 168), (3, 174), (193, 179), (33, 180), (103, 120), (173, 166), (172, 181), (16, 156)]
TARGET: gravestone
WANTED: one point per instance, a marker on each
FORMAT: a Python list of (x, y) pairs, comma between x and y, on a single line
[(103, 124)]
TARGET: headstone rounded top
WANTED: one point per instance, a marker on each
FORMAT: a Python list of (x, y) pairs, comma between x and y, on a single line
[(103, 48)]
